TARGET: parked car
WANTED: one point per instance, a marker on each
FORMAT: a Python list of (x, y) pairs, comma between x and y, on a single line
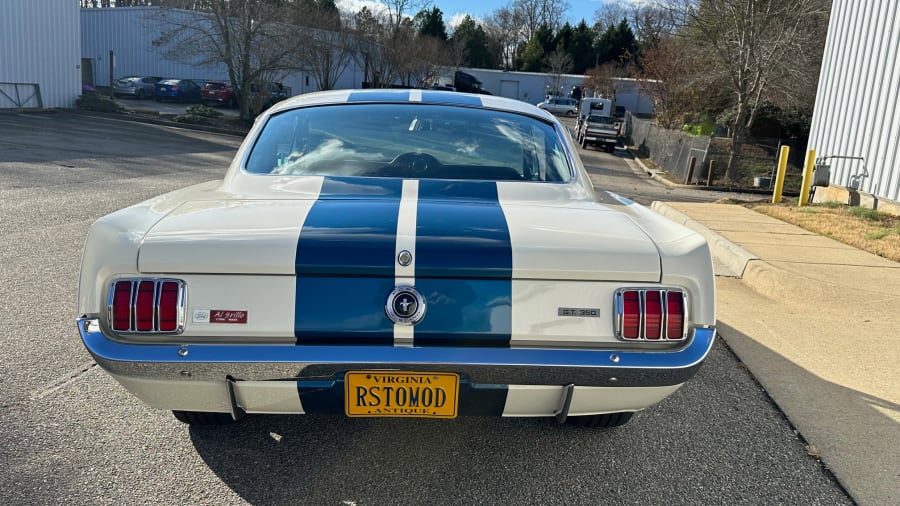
[(398, 253), (180, 90), (560, 105), (218, 93), (598, 130), (135, 86)]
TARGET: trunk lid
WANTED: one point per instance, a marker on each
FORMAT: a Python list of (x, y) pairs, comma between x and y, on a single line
[(358, 237)]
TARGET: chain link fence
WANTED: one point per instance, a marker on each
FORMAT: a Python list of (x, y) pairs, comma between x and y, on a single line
[(670, 150)]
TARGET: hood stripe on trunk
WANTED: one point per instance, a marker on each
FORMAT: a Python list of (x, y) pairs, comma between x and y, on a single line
[(463, 265), (346, 263), (355, 249), (470, 241)]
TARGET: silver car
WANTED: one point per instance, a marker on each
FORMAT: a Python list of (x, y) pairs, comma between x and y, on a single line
[(560, 105), (135, 86)]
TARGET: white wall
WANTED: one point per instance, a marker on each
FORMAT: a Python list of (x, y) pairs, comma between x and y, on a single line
[(856, 112), (39, 43), (131, 31)]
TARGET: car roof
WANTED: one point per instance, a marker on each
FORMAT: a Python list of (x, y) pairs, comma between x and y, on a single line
[(425, 96)]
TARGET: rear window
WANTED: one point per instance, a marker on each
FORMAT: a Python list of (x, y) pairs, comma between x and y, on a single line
[(409, 141)]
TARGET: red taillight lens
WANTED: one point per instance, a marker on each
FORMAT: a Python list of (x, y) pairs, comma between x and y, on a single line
[(146, 305), (652, 315), (631, 314), (143, 307), (674, 315), (121, 310), (168, 307)]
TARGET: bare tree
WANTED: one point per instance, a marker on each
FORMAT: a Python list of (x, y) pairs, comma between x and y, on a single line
[(245, 35), (602, 80), (325, 55), (752, 42), (398, 10), (504, 28), (610, 14), (670, 76), (558, 63), (532, 14)]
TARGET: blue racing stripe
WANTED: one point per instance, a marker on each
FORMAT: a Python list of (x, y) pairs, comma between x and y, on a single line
[(352, 228), (342, 310), (379, 96), (345, 263), (463, 265), (465, 312), (461, 231), (437, 97)]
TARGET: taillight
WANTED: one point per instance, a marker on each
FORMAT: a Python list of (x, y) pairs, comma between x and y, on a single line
[(653, 315), (650, 315), (147, 305), (631, 315), (675, 315), (121, 306)]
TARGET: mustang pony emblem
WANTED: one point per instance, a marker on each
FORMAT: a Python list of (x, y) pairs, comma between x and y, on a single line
[(405, 306)]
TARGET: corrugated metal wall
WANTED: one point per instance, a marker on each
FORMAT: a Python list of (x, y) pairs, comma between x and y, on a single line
[(130, 33), (39, 44), (857, 99)]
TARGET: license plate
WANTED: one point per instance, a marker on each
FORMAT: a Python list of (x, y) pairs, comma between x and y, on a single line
[(401, 394)]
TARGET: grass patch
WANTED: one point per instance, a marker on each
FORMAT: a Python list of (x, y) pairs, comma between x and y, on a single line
[(865, 213), (862, 228)]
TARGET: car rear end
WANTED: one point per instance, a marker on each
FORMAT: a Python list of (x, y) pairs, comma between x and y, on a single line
[(599, 131), (167, 89), (127, 86), (395, 296)]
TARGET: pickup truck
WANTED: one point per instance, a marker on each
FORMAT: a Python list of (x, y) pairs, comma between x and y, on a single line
[(598, 130)]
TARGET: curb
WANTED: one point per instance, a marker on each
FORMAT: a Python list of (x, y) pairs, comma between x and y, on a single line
[(763, 277), (152, 121)]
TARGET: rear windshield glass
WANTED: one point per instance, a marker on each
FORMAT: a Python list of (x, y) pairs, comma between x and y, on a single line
[(409, 141)]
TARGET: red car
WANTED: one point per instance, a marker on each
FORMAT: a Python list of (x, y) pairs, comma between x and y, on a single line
[(218, 92)]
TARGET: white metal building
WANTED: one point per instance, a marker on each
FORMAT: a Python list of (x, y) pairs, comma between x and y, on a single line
[(39, 53), (131, 33), (532, 87), (856, 113)]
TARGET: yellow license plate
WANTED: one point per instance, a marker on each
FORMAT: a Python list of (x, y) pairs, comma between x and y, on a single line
[(401, 394)]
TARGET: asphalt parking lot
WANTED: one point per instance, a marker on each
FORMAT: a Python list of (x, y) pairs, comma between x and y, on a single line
[(71, 434)]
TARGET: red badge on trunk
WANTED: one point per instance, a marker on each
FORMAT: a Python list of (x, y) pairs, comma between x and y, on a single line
[(227, 316)]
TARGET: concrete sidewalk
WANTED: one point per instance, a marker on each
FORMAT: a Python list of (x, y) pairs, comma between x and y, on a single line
[(818, 324)]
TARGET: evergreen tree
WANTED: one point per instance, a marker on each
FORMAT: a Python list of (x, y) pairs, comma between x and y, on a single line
[(431, 23), (473, 42)]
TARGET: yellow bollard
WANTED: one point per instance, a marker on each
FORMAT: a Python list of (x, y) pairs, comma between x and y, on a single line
[(779, 178), (807, 177)]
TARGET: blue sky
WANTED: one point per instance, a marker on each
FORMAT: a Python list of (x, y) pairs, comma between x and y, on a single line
[(456, 9)]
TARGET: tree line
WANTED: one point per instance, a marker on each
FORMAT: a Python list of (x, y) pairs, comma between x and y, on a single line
[(731, 62)]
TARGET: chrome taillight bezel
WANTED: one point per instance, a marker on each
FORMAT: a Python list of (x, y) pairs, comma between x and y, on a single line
[(157, 292), (619, 310)]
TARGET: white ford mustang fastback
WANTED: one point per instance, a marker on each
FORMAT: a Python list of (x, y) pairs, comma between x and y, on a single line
[(398, 253)]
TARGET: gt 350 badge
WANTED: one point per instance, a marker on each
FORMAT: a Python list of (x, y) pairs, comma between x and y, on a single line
[(405, 306), (587, 312)]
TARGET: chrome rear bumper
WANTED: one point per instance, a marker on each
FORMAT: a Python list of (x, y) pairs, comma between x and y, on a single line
[(519, 366)]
